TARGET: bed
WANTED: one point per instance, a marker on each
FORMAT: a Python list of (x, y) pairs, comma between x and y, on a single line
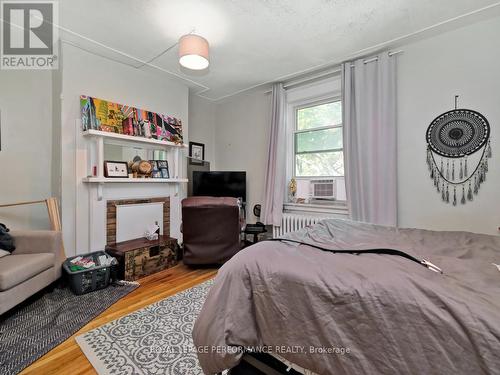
[(358, 314)]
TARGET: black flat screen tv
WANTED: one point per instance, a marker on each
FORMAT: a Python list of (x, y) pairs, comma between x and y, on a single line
[(220, 184)]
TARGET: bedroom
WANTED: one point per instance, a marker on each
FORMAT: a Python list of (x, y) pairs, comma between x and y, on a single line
[(175, 150)]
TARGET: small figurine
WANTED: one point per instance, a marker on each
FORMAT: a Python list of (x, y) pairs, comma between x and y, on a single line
[(292, 190)]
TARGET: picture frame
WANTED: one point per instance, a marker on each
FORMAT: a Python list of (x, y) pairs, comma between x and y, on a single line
[(161, 169), (162, 163), (196, 153), (165, 173), (115, 169)]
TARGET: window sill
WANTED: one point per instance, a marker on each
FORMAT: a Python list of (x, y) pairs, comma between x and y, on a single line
[(335, 208)]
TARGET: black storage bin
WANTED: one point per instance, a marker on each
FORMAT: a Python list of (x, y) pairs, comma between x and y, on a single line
[(85, 281)]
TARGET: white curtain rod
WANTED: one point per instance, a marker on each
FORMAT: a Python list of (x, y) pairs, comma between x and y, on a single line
[(376, 57), (332, 71)]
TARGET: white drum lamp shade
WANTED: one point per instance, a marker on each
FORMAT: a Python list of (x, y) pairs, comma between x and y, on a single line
[(193, 52)]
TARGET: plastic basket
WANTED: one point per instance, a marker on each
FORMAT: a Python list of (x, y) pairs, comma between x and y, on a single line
[(89, 280)]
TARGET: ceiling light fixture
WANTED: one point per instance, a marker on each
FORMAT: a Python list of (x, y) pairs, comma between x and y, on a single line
[(193, 52)]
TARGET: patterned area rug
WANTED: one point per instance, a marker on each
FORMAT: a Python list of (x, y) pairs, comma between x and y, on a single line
[(34, 329), (153, 340)]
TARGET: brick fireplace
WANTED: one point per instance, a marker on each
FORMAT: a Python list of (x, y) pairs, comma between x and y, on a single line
[(111, 216)]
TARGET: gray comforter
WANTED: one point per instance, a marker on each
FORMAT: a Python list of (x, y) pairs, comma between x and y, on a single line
[(359, 314)]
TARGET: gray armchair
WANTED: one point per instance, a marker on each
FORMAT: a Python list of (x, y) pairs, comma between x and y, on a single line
[(34, 264)]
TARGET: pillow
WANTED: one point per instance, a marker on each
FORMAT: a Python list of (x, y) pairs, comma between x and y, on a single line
[(6, 240), (4, 253)]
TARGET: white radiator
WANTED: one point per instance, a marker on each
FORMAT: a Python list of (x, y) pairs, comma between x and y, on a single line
[(294, 222)]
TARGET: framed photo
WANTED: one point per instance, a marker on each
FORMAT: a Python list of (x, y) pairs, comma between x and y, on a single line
[(162, 163), (196, 153), (115, 169), (164, 173)]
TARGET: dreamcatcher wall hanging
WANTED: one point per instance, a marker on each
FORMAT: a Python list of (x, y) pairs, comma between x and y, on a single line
[(451, 140)]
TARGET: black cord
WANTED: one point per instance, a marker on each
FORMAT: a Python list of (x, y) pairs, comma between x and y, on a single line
[(356, 252)]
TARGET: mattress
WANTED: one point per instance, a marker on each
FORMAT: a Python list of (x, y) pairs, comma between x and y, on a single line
[(354, 314)]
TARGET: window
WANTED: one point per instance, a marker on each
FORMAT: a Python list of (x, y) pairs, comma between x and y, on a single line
[(318, 148), (314, 147)]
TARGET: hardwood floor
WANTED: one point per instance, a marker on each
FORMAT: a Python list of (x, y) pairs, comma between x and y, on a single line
[(67, 358)]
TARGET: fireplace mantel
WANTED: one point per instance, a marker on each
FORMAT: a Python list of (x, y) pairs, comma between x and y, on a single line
[(94, 214)]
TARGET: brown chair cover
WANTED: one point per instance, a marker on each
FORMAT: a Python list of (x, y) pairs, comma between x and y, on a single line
[(211, 229)]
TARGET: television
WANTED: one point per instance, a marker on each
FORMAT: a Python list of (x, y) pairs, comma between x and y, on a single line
[(220, 184)]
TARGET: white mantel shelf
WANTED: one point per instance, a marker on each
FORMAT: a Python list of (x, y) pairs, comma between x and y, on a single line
[(100, 182), (132, 139), (134, 180)]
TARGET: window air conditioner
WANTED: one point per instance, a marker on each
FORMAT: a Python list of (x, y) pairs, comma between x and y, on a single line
[(323, 189)]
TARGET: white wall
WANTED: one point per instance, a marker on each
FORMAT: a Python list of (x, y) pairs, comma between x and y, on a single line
[(84, 73), (242, 131), (235, 133), (26, 146), (202, 125), (462, 62), (56, 129)]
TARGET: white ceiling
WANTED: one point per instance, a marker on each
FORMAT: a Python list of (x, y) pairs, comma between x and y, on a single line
[(252, 41)]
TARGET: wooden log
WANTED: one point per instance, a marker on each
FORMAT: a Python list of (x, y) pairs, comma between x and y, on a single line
[(21, 203)]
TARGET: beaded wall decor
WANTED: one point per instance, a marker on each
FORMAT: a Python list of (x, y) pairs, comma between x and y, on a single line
[(451, 138)]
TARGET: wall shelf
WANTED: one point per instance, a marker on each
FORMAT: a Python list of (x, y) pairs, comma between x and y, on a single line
[(131, 139), (103, 180), (96, 164)]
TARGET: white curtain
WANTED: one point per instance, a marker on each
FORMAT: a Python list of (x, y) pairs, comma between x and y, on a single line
[(369, 99), (274, 182)]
